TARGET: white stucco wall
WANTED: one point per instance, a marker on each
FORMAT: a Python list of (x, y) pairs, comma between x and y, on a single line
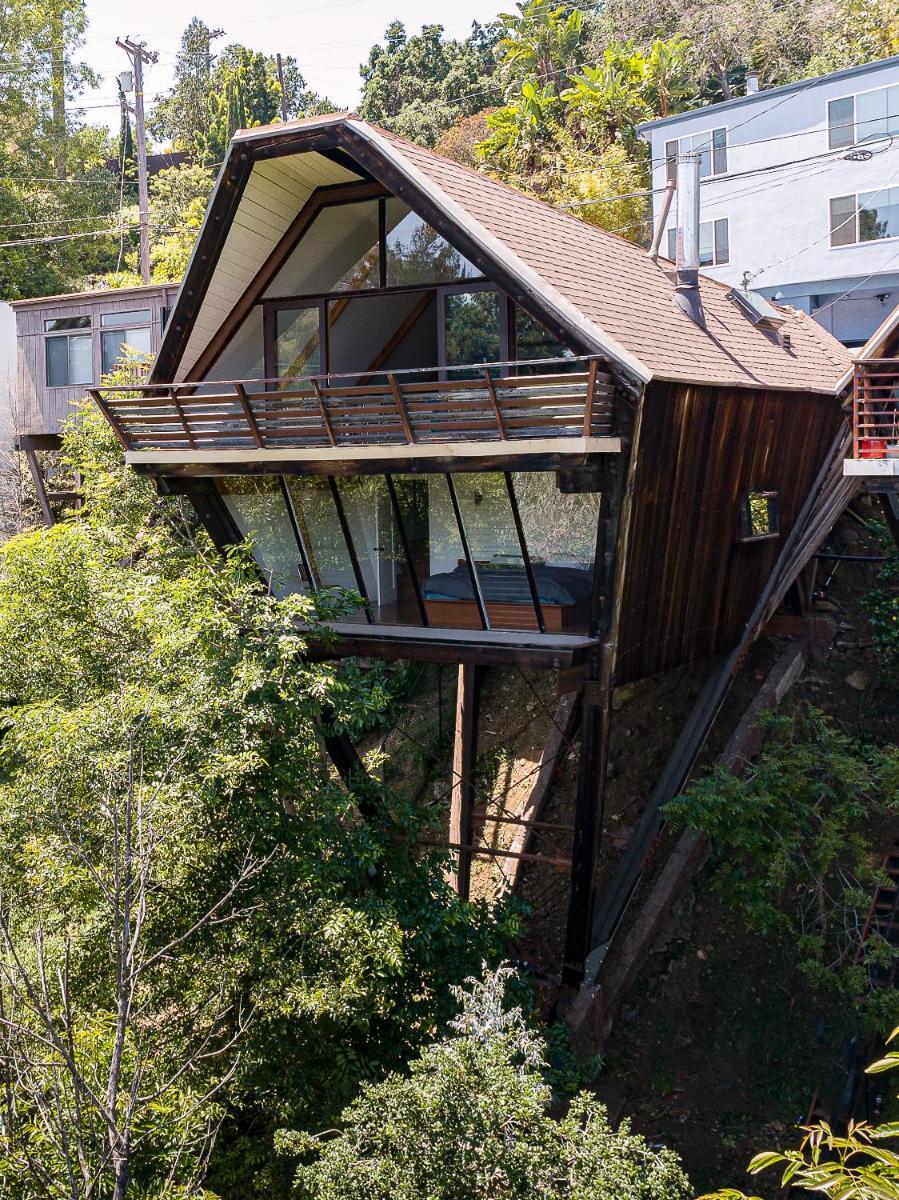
[(779, 223)]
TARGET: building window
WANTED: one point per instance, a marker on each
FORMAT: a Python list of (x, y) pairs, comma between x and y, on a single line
[(714, 243), (130, 328), (859, 118), (759, 516), (711, 147), (69, 354), (866, 217)]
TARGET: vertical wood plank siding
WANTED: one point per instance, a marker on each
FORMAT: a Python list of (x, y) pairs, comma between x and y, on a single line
[(691, 583), (38, 408)]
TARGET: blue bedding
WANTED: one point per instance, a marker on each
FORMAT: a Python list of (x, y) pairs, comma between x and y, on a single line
[(555, 585)]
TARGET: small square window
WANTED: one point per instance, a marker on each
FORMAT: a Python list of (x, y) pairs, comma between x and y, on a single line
[(759, 516)]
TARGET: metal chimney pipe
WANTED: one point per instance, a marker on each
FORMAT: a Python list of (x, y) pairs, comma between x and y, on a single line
[(752, 82), (686, 293)]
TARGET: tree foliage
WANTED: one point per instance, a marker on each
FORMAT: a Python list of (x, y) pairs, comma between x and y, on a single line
[(792, 850), (471, 1121), (53, 178), (420, 86), (213, 95), (125, 640)]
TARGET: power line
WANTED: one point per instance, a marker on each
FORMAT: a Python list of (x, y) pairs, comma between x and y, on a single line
[(63, 237), (826, 157)]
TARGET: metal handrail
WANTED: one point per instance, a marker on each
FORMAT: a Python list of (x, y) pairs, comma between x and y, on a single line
[(560, 360)]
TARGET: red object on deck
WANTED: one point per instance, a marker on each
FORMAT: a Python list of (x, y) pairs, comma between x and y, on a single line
[(872, 448)]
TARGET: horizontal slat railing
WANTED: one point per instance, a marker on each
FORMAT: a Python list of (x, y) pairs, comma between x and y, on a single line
[(875, 408), (401, 409)]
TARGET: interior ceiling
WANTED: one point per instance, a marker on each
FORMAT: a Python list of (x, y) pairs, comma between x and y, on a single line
[(276, 191)]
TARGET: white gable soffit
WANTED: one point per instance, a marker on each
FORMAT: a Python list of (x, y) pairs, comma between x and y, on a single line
[(275, 192), (493, 248), (872, 346)]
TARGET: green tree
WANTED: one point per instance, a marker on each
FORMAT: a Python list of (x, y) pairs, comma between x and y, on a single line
[(792, 855), (854, 32), (420, 86), (129, 651), (178, 198), (215, 94), (471, 1121), (53, 176)]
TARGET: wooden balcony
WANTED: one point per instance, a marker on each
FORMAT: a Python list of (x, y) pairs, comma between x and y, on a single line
[(875, 419), (331, 420)]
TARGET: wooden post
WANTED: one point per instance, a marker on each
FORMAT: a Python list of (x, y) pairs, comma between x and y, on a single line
[(401, 409), (248, 413), (462, 797), (37, 477), (590, 398)]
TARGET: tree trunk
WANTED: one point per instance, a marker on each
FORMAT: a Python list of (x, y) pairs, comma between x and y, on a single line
[(122, 1177)]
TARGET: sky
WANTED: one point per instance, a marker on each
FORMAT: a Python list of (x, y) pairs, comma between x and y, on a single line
[(329, 40)]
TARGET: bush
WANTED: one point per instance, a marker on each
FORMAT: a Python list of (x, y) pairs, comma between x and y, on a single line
[(792, 852), (472, 1122)]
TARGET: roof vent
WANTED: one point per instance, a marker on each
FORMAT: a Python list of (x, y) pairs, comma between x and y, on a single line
[(757, 308), (752, 82)]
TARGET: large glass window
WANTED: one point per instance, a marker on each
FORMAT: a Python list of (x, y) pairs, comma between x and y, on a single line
[(472, 332), (533, 341), (298, 349), (377, 333), (70, 359), (259, 510), (338, 252), (346, 249), (404, 542), (867, 217), (859, 118), (417, 253), (243, 357)]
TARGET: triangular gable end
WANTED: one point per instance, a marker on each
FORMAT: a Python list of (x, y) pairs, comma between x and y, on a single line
[(268, 192)]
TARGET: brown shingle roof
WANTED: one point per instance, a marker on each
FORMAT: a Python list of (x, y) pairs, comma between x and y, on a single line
[(628, 297)]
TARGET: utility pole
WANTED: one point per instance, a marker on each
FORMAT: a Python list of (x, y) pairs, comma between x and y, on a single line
[(58, 93), (140, 56), (280, 67)]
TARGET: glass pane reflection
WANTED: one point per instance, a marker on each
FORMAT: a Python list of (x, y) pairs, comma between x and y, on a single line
[(258, 508)]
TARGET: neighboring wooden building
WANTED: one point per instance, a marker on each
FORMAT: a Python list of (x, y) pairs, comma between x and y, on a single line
[(522, 440), (66, 343), (874, 379)]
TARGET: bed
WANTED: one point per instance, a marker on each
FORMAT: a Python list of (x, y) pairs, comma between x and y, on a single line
[(564, 593)]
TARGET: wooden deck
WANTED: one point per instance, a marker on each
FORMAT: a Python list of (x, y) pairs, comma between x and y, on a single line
[(401, 409)]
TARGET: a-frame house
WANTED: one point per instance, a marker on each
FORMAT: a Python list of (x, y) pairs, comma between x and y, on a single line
[(521, 439)]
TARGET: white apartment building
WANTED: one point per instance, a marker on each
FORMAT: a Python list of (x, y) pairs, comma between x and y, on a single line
[(799, 193)]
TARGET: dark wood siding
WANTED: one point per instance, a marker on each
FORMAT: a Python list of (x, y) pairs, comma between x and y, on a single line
[(690, 582)]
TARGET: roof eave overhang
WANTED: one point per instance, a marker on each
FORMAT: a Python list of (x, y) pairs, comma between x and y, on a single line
[(376, 155), (873, 347)]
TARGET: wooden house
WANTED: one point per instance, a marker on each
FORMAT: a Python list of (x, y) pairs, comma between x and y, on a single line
[(64, 344), (521, 439)]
